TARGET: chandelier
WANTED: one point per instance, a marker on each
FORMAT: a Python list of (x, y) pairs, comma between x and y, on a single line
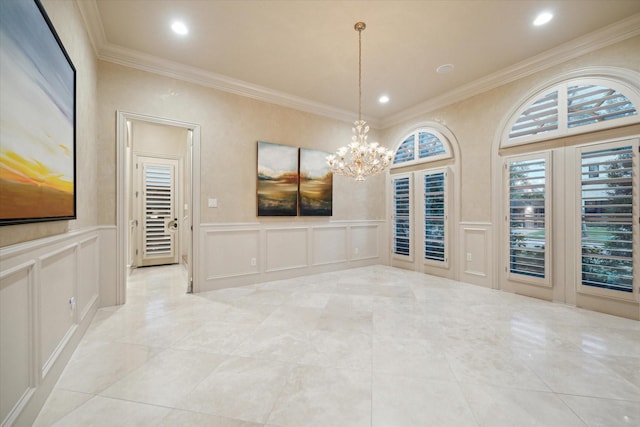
[(360, 158)]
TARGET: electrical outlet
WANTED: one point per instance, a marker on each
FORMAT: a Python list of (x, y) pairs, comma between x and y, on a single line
[(469, 256), (213, 203), (253, 262)]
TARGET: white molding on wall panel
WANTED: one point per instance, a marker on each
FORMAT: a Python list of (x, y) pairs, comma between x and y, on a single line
[(34, 245), (315, 251), (302, 259), (480, 273), (51, 322), (31, 362), (365, 255), (274, 259), (68, 253), (250, 247)]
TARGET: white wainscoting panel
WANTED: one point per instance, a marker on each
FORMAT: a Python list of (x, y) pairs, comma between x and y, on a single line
[(49, 291), (329, 245), (88, 276), (475, 253), (365, 242), (56, 288), (229, 253), (286, 249), (16, 339)]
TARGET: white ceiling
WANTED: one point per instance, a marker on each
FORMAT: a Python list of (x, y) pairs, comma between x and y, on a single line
[(304, 53)]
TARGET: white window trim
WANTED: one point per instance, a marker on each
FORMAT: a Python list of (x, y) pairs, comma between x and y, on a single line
[(412, 246), (563, 129), (521, 278), (600, 292), (416, 149), (447, 215)]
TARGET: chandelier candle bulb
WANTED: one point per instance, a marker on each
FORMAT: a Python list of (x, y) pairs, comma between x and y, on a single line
[(360, 159)]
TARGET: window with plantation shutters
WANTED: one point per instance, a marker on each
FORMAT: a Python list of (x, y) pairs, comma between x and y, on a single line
[(607, 217), (422, 145), (434, 216), (402, 216), (528, 193), (572, 107)]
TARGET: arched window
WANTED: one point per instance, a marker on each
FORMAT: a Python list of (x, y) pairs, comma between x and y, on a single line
[(423, 145), (421, 201), (572, 107), (573, 198)]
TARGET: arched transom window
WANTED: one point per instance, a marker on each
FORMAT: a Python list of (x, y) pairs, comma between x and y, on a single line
[(423, 145), (572, 107)]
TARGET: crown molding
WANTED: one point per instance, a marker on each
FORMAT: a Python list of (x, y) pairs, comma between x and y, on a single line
[(614, 33), (92, 23), (611, 34), (152, 64)]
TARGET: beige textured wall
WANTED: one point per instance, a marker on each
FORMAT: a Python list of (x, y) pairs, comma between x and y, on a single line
[(68, 24), (231, 125), (476, 123)]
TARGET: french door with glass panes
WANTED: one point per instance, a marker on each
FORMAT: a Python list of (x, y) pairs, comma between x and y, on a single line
[(420, 219), (571, 227)]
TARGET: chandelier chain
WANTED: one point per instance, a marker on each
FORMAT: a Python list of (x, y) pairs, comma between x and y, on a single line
[(360, 158)]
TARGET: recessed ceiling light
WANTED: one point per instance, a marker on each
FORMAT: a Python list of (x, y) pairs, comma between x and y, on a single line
[(443, 69), (543, 18), (179, 28), (383, 99)]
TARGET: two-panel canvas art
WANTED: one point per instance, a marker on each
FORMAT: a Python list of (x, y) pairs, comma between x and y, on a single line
[(293, 181)]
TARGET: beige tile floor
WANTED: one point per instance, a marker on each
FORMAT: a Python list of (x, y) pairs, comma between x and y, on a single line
[(373, 346)]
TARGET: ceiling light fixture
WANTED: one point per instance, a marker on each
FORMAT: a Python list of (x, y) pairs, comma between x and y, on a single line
[(179, 28), (543, 18), (383, 99), (360, 159)]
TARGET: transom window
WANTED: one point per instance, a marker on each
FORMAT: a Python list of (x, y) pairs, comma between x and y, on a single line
[(573, 107), (423, 145)]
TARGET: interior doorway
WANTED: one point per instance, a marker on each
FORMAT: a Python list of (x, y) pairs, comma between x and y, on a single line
[(157, 215)]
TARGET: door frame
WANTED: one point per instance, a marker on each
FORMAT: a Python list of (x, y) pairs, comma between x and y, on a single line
[(122, 224)]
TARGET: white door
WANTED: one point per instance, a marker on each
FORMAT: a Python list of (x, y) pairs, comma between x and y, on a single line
[(157, 200)]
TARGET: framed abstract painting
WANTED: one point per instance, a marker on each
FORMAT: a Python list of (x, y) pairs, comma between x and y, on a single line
[(316, 184), (38, 115), (277, 187)]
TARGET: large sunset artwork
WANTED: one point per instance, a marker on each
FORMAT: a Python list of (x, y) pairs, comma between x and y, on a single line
[(37, 118)]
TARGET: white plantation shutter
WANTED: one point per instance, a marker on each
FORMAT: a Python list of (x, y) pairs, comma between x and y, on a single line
[(588, 104), (406, 151), (402, 216), (528, 197), (429, 145), (539, 117), (607, 223), (421, 146), (573, 107), (435, 216), (158, 196)]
